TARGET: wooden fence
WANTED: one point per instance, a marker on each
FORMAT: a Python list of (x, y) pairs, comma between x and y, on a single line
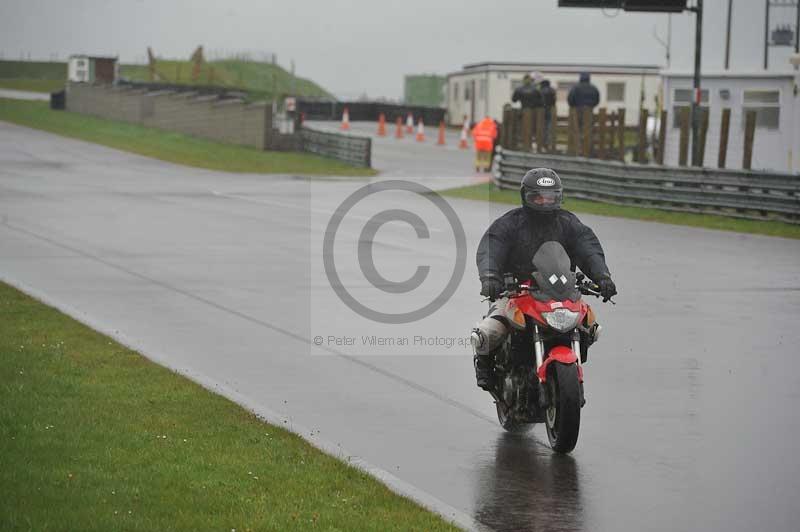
[(603, 135)]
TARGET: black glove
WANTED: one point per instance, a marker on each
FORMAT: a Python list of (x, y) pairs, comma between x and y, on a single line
[(607, 288), (491, 287)]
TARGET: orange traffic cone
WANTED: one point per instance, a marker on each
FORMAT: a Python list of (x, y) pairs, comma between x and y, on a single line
[(345, 120), (420, 131), (410, 123), (381, 125), (463, 144), (399, 133), (441, 142)]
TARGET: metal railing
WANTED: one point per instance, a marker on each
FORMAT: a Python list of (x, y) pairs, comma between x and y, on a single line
[(348, 148), (736, 193)]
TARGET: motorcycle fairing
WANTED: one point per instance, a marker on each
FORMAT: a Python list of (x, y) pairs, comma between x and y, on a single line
[(562, 354)]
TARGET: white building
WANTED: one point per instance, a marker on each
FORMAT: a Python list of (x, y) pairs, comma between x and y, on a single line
[(482, 89), (774, 97), (89, 69)]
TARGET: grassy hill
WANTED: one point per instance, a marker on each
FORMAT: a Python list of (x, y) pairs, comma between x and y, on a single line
[(263, 80)]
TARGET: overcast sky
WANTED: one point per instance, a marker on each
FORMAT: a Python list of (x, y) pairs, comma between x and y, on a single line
[(352, 47)]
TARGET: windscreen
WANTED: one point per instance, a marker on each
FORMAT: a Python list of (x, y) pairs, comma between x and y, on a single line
[(552, 273)]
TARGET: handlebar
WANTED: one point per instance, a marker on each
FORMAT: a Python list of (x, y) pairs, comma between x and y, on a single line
[(583, 284)]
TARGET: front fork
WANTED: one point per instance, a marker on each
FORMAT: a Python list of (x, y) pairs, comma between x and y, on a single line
[(538, 349)]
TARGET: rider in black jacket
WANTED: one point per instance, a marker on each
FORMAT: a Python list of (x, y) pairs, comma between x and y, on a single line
[(508, 246)]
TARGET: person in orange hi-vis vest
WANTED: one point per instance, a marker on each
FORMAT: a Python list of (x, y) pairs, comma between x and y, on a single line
[(483, 135)]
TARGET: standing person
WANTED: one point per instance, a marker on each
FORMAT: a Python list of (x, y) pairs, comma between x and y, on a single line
[(483, 135), (549, 101), (583, 96), (530, 98), (528, 94)]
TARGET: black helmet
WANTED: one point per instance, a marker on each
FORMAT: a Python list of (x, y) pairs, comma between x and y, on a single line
[(541, 190)]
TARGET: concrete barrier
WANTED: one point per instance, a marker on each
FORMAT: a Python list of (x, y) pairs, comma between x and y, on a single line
[(225, 120)]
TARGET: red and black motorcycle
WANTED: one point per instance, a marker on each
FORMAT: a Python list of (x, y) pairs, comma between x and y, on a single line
[(538, 369)]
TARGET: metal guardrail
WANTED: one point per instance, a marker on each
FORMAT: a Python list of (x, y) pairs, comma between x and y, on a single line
[(736, 193), (348, 148)]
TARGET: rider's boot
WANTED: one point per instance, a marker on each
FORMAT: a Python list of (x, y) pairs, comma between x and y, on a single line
[(484, 371)]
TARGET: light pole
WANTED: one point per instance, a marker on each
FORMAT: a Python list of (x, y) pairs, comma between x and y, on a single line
[(698, 39)]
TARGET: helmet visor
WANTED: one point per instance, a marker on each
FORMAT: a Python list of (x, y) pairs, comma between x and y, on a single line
[(543, 198)]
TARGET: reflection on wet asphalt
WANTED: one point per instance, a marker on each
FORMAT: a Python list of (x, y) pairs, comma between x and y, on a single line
[(526, 487)]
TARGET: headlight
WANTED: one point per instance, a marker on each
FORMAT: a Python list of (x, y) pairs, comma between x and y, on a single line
[(561, 319)]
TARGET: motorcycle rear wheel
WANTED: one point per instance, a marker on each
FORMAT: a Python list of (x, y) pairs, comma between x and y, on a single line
[(563, 416), (508, 421)]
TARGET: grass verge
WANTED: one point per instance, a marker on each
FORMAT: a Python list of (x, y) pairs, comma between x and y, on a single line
[(32, 85), (172, 147), (489, 192), (93, 436)]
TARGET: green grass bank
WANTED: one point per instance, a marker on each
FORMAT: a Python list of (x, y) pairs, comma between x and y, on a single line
[(489, 192), (95, 437), (171, 147)]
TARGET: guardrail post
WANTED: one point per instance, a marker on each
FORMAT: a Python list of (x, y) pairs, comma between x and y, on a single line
[(572, 132), (683, 153), (662, 137), (527, 130), (641, 142), (621, 134), (508, 122), (586, 133), (540, 141), (724, 126), (749, 135), (601, 133), (703, 134)]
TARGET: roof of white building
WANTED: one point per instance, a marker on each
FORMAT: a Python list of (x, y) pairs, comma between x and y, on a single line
[(729, 74), (593, 68)]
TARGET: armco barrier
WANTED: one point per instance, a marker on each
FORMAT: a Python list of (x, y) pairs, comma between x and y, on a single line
[(737, 193), (348, 148)]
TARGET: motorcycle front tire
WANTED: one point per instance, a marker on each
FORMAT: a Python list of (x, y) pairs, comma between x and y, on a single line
[(563, 416)]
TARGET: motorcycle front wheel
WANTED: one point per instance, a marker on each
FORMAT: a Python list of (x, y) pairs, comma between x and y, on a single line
[(563, 416)]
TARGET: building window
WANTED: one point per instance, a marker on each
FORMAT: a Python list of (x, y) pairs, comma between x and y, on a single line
[(80, 63), (562, 91), (682, 99), (615, 91), (766, 104), (466, 91), (455, 91)]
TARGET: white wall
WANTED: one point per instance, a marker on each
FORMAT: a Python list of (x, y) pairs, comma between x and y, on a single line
[(78, 69), (773, 149), (500, 91)]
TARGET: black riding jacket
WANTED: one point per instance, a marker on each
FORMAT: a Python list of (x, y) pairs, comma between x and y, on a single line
[(529, 95), (510, 243), (584, 94)]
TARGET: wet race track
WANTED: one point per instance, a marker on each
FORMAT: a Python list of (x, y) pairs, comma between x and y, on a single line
[(692, 392)]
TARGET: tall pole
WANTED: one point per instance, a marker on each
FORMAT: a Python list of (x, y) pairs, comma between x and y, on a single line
[(766, 32), (728, 37), (797, 29), (698, 40), (669, 38)]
